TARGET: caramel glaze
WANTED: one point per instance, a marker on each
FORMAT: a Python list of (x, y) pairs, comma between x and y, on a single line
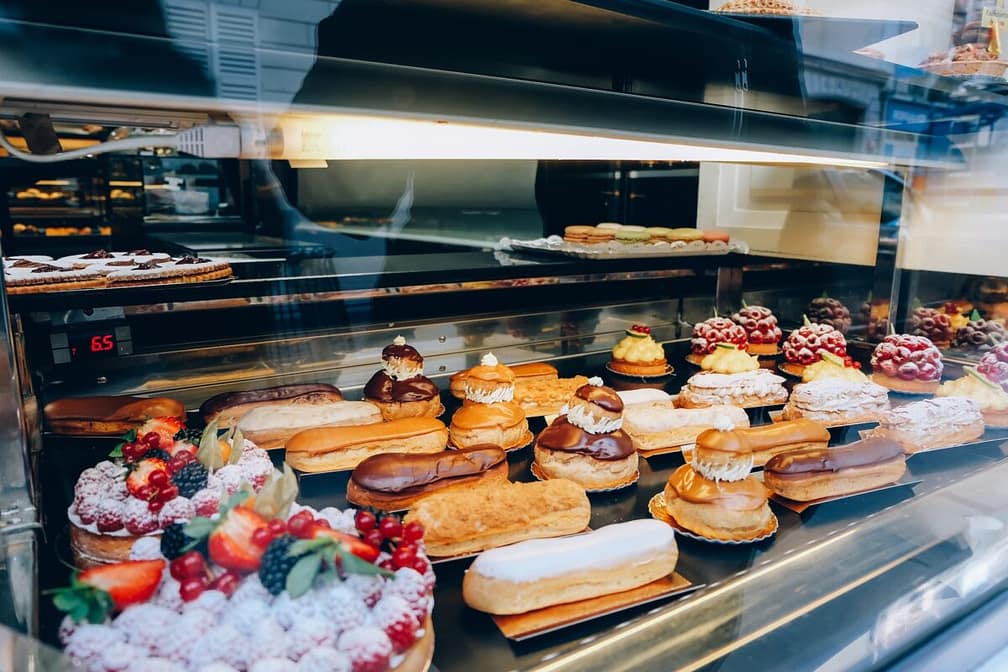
[(408, 473), (826, 460), (565, 437), (745, 495), (492, 374), (602, 396), (302, 392), (384, 388), (404, 352), (476, 416)]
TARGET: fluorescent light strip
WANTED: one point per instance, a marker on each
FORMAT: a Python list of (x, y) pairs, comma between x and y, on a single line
[(348, 137)]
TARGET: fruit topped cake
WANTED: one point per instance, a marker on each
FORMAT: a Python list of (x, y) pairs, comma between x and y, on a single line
[(710, 332), (805, 345), (994, 365), (980, 334), (637, 354), (157, 476), (827, 310), (761, 329), (326, 591), (907, 363), (933, 325)]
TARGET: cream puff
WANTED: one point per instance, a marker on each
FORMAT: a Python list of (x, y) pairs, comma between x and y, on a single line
[(637, 354), (489, 415), (401, 390), (490, 382), (730, 511), (587, 444), (722, 454)]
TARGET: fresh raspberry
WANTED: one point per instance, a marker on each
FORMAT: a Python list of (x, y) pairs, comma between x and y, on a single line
[(368, 587), (307, 634), (89, 490), (177, 510), (343, 607), (710, 332), (109, 515), (274, 665), (805, 343), (255, 471), (907, 357), (412, 587), (395, 616), (251, 588), (324, 659), (87, 509), (117, 490), (267, 640), (146, 548), (88, 643), (230, 476), (980, 335), (168, 595), (119, 656), (222, 644), (91, 477), (207, 502), (368, 647), (110, 470), (826, 310), (145, 624), (760, 325), (154, 665), (288, 611), (66, 628), (930, 323), (994, 365), (212, 601), (245, 615), (137, 517)]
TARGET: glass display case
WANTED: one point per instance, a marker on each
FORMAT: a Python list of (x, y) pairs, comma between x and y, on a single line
[(540, 181)]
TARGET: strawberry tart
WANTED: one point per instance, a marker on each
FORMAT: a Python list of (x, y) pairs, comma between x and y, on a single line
[(316, 591), (806, 344), (907, 363), (710, 332), (827, 310), (157, 476), (761, 329)]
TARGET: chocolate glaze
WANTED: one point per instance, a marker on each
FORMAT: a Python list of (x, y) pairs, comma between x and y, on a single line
[(568, 438), (139, 253), (604, 397), (27, 263), (127, 262), (98, 254), (406, 352), (147, 266), (48, 268), (858, 454), (219, 402), (409, 472), (383, 388), (191, 260)]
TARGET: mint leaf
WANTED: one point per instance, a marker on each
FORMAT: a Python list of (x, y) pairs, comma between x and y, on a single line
[(308, 545), (302, 574), (351, 564), (199, 528)]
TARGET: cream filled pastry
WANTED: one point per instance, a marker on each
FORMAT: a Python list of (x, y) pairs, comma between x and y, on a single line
[(722, 454), (587, 445), (490, 382), (747, 389), (931, 423), (989, 397), (736, 510), (401, 390), (814, 473), (489, 416), (835, 401), (660, 424), (766, 441), (637, 354)]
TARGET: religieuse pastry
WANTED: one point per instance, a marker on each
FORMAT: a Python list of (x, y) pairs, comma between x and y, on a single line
[(271, 427), (323, 449), (989, 397), (228, 408), (637, 354), (587, 445), (762, 333), (805, 345), (108, 416), (814, 473), (543, 572), (733, 378), (489, 415), (401, 390), (907, 363), (710, 332), (469, 520), (659, 424), (394, 481), (235, 602), (931, 423)]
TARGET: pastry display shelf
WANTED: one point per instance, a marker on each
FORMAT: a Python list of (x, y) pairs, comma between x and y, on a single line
[(873, 583)]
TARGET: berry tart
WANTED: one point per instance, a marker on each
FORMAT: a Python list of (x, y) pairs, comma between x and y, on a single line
[(986, 394), (761, 329), (907, 363), (827, 310), (324, 591), (933, 325), (156, 477), (806, 344), (710, 332), (994, 365), (979, 334), (637, 354)]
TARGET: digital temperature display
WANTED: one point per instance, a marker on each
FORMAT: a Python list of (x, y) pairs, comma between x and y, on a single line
[(87, 345)]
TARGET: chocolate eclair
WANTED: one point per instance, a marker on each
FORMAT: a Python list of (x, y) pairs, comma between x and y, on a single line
[(394, 481), (229, 407), (587, 444), (815, 473), (400, 389), (735, 510)]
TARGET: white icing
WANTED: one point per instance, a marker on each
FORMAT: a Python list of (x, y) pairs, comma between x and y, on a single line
[(609, 546), (398, 340), (736, 471), (921, 417), (595, 381), (832, 395), (723, 423), (580, 416), (489, 360), (494, 396), (271, 417), (642, 396), (661, 417)]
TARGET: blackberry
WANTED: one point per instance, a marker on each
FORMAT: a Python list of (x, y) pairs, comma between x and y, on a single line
[(173, 540), (190, 479), (277, 564), (158, 453), (188, 434)]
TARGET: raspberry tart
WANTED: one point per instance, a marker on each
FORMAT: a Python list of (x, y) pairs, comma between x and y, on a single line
[(762, 332), (156, 477), (907, 363), (979, 334), (313, 592), (933, 325), (994, 365), (827, 310), (637, 354), (710, 332), (806, 344)]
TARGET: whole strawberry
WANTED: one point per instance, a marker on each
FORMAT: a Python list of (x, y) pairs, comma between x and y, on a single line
[(931, 324), (827, 310)]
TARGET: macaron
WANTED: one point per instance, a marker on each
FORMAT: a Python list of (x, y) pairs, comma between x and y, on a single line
[(609, 226), (599, 236), (686, 234), (712, 235), (660, 233), (629, 236), (577, 234)]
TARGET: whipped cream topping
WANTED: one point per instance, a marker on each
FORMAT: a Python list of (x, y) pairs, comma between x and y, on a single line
[(839, 395), (399, 340), (720, 388), (495, 396), (723, 423), (595, 381), (737, 471), (609, 546), (580, 416), (489, 360), (399, 369)]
